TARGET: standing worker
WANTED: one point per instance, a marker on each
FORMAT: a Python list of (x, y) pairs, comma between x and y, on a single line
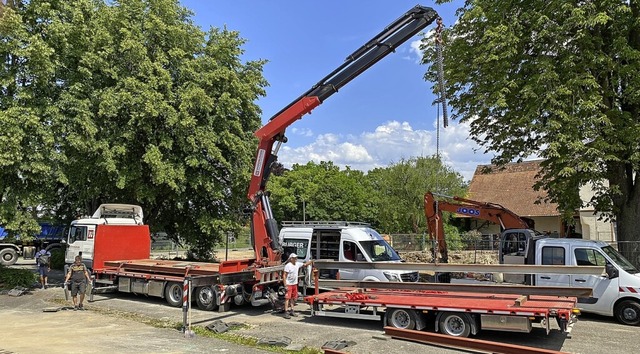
[(291, 282), (43, 260), (79, 276)]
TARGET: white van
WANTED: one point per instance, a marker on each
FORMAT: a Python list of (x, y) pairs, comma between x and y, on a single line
[(615, 293), (345, 242)]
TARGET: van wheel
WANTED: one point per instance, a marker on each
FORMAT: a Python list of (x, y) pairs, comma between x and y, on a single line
[(206, 298), (454, 324), (401, 318), (173, 294), (628, 312), (8, 256)]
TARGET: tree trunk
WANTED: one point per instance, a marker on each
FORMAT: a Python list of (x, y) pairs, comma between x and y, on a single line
[(627, 209)]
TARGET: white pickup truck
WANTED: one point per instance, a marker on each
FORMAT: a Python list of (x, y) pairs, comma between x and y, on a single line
[(615, 293)]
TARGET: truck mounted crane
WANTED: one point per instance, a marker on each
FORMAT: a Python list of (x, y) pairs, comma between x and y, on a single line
[(264, 228), (492, 212)]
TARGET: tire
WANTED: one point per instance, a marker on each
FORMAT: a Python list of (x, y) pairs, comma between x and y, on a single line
[(628, 312), (8, 256), (206, 298), (454, 324), (173, 294), (401, 318)]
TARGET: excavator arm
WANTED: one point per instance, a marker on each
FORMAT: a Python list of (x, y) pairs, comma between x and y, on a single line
[(271, 136), (492, 212)]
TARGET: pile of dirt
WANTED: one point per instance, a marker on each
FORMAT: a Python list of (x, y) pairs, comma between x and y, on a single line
[(455, 257)]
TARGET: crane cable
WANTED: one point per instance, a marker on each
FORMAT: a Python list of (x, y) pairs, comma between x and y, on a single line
[(442, 102)]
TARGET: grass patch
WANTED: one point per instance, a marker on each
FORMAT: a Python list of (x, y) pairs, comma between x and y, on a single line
[(12, 277), (199, 330)]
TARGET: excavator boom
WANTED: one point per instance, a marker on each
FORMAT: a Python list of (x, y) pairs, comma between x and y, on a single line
[(492, 212)]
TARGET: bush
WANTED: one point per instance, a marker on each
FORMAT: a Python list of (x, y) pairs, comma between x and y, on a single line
[(57, 258), (12, 277)]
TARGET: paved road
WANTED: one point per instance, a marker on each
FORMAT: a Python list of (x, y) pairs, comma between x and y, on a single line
[(96, 332)]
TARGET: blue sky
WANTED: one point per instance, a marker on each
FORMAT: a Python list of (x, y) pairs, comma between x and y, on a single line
[(384, 115)]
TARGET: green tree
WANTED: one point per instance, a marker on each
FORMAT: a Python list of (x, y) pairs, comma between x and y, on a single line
[(559, 79), (399, 192), (327, 192), (143, 107), (27, 144)]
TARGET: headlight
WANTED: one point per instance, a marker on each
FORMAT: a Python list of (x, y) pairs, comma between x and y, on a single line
[(392, 276)]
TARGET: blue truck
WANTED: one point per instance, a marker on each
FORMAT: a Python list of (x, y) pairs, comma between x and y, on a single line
[(49, 238)]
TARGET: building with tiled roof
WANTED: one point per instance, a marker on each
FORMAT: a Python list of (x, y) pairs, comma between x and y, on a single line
[(512, 187)]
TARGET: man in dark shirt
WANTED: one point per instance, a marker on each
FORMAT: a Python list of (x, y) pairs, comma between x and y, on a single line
[(79, 276)]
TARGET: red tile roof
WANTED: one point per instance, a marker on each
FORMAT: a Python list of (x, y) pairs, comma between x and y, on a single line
[(511, 187)]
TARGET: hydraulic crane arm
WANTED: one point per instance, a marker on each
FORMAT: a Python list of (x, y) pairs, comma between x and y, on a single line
[(492, 212), (264, 226)]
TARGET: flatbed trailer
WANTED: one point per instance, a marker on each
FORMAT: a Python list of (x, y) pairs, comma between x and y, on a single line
[(453, 313), (215, 285)]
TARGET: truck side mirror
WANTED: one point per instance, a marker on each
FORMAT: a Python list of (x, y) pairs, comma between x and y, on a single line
[(360, 258), (611, 270)]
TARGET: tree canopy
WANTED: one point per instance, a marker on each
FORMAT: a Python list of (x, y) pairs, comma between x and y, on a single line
[(391, 199), (558, 79), (126, 101)]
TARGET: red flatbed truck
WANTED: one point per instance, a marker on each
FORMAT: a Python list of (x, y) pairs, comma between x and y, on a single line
[(115, 246)]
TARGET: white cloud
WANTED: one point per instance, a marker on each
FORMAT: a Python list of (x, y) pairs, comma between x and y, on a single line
[(389, 143), (303, 132)]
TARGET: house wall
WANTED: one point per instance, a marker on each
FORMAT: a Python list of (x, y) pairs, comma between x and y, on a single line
[(591, 227)]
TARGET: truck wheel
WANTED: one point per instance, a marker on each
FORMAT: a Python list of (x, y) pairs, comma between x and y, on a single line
[(173, 294), (206, 298), (628, 312), (8, 256), (401, 318), (454, 324)]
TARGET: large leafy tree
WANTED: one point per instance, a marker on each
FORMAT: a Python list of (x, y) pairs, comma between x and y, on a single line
[(143, 107), (399, 191), (323, 192), (558, 79)]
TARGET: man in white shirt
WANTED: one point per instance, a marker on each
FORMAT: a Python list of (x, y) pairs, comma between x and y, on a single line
[(291, 282)]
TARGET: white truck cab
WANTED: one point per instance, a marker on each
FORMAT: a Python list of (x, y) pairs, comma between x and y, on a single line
[(345, 242), (616, 292)]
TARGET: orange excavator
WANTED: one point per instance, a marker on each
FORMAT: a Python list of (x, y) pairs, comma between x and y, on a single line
[(492, 212)]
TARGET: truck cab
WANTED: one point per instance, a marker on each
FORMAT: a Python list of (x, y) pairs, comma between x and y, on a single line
[(81, 239), (615, 293), (345, 242)]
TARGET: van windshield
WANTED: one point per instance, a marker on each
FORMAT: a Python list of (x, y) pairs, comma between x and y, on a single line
[(619, 260), (379, 251)]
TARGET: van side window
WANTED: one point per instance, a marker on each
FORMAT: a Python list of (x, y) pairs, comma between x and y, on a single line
[(300, 246), (349, 250), (553, 256), (589, 257)]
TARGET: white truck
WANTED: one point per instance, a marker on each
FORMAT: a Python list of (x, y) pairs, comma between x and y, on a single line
[(615, 293), (343, 241)]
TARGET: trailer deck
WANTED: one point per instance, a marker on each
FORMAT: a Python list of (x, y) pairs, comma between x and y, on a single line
[(484, 303)]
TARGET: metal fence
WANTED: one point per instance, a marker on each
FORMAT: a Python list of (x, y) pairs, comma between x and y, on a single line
[(471, 247)]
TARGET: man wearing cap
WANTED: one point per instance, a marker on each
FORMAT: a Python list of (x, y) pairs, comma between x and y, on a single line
[(291, 282)]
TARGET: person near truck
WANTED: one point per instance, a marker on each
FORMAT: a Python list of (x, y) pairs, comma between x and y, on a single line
[(79, 276), (43, 260), (291, 282)]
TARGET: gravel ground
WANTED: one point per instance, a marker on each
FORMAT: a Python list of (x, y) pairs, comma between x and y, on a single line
[(97, 330)]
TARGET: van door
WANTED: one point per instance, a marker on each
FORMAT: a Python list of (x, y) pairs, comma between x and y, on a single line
[(81, 242), (552, 255), (605, 290), (350, 253)]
